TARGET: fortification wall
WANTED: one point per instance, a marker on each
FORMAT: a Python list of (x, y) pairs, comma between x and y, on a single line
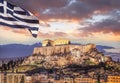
[(49, 50)]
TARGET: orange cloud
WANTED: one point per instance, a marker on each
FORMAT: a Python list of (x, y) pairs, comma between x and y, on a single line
[(5, 28), (22, 31), (52, 35), (98, 36), (16, 31)]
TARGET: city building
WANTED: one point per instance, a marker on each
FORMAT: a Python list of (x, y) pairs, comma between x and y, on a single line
[(59, 81), (84, 80), (68, 80), (113, 79), (28, 79), (44, 78), (2, 78), (15, 78)]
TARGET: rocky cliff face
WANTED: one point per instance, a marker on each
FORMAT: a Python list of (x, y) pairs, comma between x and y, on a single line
[(49, 50), (58, 56)]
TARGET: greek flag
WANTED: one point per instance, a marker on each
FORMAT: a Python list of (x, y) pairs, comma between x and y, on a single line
[(17, 17)]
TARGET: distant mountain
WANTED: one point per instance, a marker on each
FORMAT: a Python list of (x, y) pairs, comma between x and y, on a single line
[(21, 50), (115, 56), (17, 50), (101, 48)]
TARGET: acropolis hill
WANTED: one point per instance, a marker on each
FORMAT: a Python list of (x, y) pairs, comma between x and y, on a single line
[(61, 52), (61, 57), (49, 50), (61, 46)]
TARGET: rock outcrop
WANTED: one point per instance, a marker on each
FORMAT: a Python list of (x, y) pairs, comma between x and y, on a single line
[(58, 56), (49, 50)]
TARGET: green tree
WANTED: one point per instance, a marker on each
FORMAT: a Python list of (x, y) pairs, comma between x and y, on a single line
[(4, 67)]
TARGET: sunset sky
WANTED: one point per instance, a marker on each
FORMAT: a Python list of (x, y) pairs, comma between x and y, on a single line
[(81, 21)]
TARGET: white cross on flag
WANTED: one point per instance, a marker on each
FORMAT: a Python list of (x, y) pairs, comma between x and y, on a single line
[(17, 17)]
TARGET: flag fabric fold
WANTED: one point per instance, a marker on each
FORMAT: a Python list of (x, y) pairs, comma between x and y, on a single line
[(16, 17)]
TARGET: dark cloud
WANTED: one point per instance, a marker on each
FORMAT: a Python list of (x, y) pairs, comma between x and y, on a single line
[(105, 26), (68, 9), (103, 4), (110, 25), (79, 9), (39, 4), (71, 11), (46, 3), (76, 10)]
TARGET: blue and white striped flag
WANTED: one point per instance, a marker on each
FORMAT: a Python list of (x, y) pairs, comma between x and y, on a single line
[(17, 17)]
